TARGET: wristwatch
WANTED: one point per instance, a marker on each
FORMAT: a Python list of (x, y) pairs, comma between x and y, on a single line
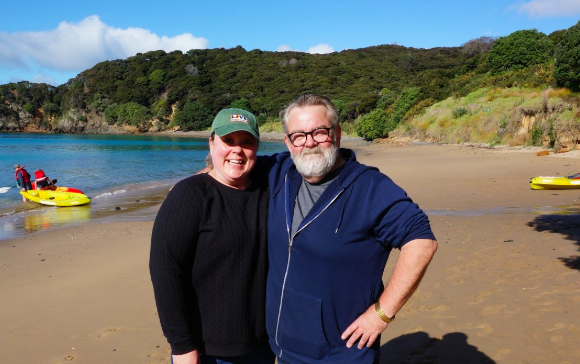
[(381, 313)]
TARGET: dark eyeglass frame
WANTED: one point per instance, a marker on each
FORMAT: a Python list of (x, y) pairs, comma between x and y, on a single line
[(311, 133)]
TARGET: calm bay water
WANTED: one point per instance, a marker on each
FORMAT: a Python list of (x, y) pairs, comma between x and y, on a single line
[(127, 174)]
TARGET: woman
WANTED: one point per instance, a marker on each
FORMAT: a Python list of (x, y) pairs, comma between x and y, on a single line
[(208, 258)]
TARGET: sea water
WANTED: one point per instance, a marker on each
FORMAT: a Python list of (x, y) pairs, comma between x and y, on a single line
[(126, 176)]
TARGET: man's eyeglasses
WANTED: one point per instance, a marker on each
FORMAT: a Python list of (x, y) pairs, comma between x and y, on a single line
[(319, 135)]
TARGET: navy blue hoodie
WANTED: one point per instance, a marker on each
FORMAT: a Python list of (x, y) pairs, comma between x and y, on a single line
[(326, 275)]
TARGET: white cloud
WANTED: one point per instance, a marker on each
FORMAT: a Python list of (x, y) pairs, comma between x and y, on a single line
[(78, 46), (548, 8), (43, 79), (284, 48), (321, 49)]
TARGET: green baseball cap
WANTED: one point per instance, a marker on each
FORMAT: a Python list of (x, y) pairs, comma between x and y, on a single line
[(231, 120)]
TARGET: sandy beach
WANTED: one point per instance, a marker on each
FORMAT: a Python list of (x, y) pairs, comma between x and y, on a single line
[(504, 286)]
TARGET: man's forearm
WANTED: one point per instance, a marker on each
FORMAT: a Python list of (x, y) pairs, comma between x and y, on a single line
[(409, 269)]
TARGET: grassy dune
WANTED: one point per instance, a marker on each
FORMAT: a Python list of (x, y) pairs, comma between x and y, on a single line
[(512, 116)]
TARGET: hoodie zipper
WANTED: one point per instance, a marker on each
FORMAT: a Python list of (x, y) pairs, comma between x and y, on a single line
[(290, 242)]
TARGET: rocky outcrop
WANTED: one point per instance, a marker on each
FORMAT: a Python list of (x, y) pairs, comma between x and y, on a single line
[(14, 119)]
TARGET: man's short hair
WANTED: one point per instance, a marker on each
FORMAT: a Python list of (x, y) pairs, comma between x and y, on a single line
[(310, 100)]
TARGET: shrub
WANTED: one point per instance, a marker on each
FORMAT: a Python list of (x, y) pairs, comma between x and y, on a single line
[(567, 64), (111, 114), (387, 99), (132, 113), (193, 116), (243, 104), (49, 108), (28, 108), (459, 112), (520, 49), (262, 119), (374, 125), (161, 108), (406, 100), (418, 108), (157, 77), (367, 103), (340, 106), (99, 103), (536, 135)]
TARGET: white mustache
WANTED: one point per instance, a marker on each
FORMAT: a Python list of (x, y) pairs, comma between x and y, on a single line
[(316, 150)]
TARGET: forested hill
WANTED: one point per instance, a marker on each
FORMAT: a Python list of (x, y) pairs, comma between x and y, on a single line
[(158, 90), (157, 85)]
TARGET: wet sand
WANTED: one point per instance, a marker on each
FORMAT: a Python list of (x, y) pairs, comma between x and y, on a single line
[(504, 286)]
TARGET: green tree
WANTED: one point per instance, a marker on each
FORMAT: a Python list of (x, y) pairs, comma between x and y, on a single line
[(161, 108), (409, 96), (567, 64), (520, 49), (28, 108), (262, 119), (111, 114), (556, 36), (374, 125), (156, 78), (243, 104), (387, 98), (340, 106), (99, 103), (49, 108), (133, 113), (193, 116), (368, 103)]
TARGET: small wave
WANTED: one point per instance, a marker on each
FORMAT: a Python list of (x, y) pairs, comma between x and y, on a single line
[(7, 213), (110, 193)]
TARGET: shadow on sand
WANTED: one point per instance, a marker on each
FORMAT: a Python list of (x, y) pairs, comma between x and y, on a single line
[(419, 348), (567, 225)]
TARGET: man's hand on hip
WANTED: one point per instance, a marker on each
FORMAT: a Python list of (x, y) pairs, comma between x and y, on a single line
[(365, 329)]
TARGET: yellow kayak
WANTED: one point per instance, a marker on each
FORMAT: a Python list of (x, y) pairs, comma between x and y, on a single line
[(56, 198), (555, 183)]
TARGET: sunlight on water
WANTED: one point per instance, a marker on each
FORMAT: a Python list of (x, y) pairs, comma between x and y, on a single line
[(124, 175)]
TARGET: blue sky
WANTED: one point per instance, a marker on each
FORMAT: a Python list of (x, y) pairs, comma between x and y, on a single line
[(52, 41)]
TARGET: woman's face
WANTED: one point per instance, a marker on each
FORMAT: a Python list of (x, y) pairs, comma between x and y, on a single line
[(233, 157)]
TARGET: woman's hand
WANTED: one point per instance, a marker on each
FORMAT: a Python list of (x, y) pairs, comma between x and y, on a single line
[(190, 358)]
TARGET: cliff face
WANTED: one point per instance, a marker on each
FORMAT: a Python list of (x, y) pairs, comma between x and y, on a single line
[(14, 119)]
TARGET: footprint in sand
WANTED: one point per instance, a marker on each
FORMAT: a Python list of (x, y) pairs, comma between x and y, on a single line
[(484, 329), (557, 327), (501, 353), (69, 358), (493, 310), (107, 332), (480, 297), (161, 356)]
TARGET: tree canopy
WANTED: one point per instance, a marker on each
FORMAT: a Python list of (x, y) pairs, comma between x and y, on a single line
[(520, 49), (567, 64)]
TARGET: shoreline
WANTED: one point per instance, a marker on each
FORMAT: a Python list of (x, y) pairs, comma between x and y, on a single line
[(503, 288)]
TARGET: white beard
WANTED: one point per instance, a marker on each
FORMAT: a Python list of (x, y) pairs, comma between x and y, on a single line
[(316, 162)]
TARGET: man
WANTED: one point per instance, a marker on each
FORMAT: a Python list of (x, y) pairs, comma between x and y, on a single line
[(22, 179), (332, 223)]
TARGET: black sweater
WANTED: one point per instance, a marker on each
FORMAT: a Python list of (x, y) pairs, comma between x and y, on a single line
[(208, 266)]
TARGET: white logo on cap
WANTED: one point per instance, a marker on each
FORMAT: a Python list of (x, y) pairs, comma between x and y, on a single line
[(237, 118)]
